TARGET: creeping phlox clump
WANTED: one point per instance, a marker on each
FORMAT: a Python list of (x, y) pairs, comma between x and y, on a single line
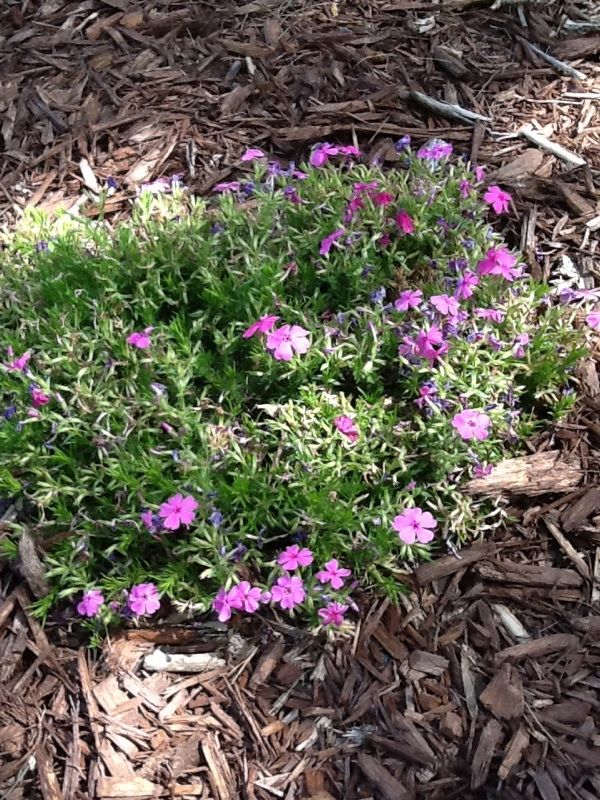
[(269, 397)]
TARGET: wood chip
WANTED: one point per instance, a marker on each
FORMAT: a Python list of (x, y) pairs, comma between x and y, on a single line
[(539, 647), (389, 787), (503, 695)]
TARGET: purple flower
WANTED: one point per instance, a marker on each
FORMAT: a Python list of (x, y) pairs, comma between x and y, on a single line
[(222, 603), (321, 153), (245, 597), (152, 522), (430, 344), (287, 340), (470, 424), (435, 150), (593, 320), (90, 603), (465, 286), (347, 427), (491, 314), (39, 398), (178, 510), (216, 518), (328, 241), (228, 186), (465, 188), (333, 614), (288, 592), (410, 298), (521, 342), (252, 153), (140, 340), (402, 144), (378, 296), (295, 556), (143, 599), (333, 574), (262, 325), (415, 525), (17, 364), (498, 261)]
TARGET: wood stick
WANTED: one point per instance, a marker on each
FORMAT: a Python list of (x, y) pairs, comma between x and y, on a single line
[(556, 149), (577, 559), (449, 110), (559, 66)]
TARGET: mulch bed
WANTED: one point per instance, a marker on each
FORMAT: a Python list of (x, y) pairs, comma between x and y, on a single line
[(485, 681)]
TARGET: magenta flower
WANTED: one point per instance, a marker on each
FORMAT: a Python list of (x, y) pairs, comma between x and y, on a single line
[(410, 298), (39, 398), (444, 304), (521, 342), (414, 525), (177, 511), (287, 340), (140, 340), (479, 174), (90, 603), (366, 187), (465, 286), (426, 393), (465, 188), (471, 424), (223, 604), (333, 614), (252, 153), (262, 325), (430, 344), (405, 222), (347, 427), (152, 522), (143, 599), (497, 199), (328, 241), (288, 592), (382, 199), (498, 261), (295, 556), (482, 470), (333, 574), (435, 150), (349, 150), (321, 154), (593, 320), (490, 314), (17, 364), (245, 597), (227, 186)]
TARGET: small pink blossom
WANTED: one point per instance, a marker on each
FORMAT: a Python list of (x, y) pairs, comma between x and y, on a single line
[(471, 424), (415, 525), (490, 314), (245, 597), (465, 286), (287, 340), (17, 364), (262, 325), (498, 261), (354, 205), (521, 342), (333, 614), (252, 153), (382, 199), (39, 398), (497, 199), (143, 599), (350, 150), (140, 340), (321, 154), (328, 241), (410, 298), (347, 427), (426, 392), (288, 592), (482, 470), (178, 510), (465, 188), (333, 574), (227, 186), (90, 603), (479, 174), (405, 222), (384, 240), (445, 305), (223, 604), (593, 320), (295, 556), (430, 344), (366, 187)]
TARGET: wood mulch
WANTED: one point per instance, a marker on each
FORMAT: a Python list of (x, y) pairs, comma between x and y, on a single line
[(485, 681)]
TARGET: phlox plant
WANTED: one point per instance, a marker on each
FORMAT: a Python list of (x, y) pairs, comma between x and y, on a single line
[(268, 396)]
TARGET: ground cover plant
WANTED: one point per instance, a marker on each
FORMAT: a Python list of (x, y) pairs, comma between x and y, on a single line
[(269, 396)]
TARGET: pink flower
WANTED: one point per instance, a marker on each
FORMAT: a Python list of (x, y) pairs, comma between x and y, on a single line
[(347, 427), (245, 597), (262, 325), (140, 340), (288, 592), (414, 525), (498, 261), (39, 398), (321, 153), (333, 574), (521, 342), (333, 614), (497, 199), (227, 186), (435, 150), (143, 599), (410, 298), (382, 199), (328, 241), (405, 222), (354, 205), (17, 364), (426, 392), (593, 320), (295, 556), (465, 188), (471, 424), (466, 284), (482, 470), (366, 187), (223, 604), (445, 305), (384, 240), (490, 314), (90, 603), (430, 344), (252, 153), (287, 340), (479, 174), (350, 150), (177, 511)]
